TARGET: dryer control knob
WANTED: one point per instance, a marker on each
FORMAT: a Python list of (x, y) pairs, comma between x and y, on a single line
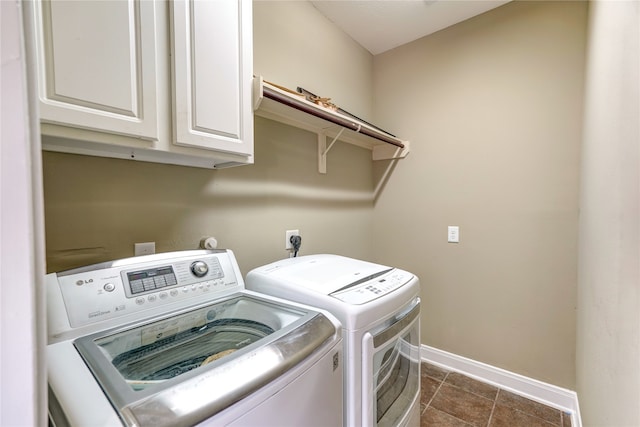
[(199, 268)]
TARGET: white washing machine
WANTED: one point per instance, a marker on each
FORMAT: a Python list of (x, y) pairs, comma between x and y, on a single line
[(379, 309), (175, 340)]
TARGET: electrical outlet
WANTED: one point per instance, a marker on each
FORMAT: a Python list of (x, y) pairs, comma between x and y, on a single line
[(288, 234), (147, 248)]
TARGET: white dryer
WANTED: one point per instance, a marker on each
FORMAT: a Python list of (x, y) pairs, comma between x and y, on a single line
[(379, 309), (175, 340)]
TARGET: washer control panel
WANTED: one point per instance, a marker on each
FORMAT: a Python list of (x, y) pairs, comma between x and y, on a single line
[(152, 280), (116, 289)]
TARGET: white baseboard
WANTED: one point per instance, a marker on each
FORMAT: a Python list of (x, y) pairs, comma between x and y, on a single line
[(550, 395)]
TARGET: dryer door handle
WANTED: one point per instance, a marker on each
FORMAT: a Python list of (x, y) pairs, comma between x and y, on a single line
[(399, 323)]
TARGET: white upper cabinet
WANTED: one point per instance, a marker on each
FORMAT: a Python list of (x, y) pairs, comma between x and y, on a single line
[(159, 81), (98, 65), (212, 74)]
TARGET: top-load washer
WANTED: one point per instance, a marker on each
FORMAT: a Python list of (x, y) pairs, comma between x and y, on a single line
[(174, 339), (379, 309)]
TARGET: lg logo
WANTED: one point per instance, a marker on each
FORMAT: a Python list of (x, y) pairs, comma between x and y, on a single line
[(83, 282)]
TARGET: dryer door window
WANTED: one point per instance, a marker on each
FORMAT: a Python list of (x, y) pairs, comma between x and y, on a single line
[(396, 370)]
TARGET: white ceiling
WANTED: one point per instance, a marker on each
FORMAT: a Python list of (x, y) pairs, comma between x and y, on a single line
[(380, 25)]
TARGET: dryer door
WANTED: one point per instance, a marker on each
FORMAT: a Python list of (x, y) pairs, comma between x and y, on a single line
[(186, 367), (391, 370)]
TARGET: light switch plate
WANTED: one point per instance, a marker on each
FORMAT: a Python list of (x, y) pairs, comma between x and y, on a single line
[(453, 234)]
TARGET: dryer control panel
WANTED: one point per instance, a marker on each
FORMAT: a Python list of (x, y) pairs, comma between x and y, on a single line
[(125, 287), (365, 291)]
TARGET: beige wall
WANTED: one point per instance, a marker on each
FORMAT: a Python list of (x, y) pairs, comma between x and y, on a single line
[(493, 109), (608, 344), (97, 208)]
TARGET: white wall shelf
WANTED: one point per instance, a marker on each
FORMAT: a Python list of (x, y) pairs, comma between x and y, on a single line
[(293, 109)]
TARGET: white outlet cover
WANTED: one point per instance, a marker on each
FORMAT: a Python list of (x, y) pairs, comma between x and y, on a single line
[(287, 237)]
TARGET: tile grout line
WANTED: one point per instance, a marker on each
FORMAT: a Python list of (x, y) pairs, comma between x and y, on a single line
[(434, 396), (493, 408), (532, 415), (473, 392), (437, 390), (454, 386)]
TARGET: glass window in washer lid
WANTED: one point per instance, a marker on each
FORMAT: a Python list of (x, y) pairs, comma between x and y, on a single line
[(153, 353)]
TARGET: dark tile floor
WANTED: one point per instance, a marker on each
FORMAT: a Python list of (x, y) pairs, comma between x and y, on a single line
[(450, 399)]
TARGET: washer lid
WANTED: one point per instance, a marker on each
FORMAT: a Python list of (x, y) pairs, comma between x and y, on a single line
[(326, 274), (182, 369)]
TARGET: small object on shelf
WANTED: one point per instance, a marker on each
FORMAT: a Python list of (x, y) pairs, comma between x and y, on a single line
[(324, 102), (311, 97), (286, 89)]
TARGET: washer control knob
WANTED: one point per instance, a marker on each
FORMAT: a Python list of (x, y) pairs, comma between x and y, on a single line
[(199, 268), (109, 287)]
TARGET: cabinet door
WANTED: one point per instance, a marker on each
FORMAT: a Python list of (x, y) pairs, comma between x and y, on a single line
[(212, 71), (97, 65)]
